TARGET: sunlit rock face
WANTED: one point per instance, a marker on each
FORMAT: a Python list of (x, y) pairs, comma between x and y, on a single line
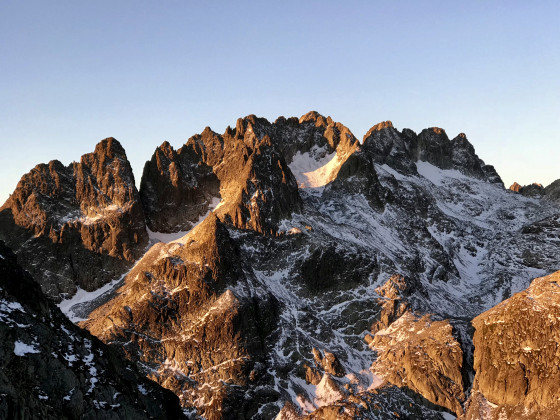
[(179, 186), (80, 225), (294, 271), (422, 355), (516, 355), (175, 317)]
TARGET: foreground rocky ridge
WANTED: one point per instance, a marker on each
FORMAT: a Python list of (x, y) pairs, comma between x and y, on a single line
[(516, 355), (327, 278), (52, 369)]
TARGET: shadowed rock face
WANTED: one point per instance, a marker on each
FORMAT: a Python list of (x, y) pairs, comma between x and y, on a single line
[(176, 189), (400, 150), (50, 368), (516, 354), (552, 192), (80, 225)]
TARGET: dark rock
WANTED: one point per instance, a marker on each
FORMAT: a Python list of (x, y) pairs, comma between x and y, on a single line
[(52, 369), (178, 187), (552, 192), (534, 190), (387, 146)]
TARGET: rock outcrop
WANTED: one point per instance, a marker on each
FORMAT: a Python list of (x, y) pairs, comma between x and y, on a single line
[(423, 355), (516, 355), (177, 188), (392, 301), (400, 150), (80, 225), (50, 368)]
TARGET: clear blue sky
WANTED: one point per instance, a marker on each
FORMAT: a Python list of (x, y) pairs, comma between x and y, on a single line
[(75, 72)]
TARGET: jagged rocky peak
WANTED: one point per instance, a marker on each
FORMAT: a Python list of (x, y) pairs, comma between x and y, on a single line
[(401, 151), (53, 369), (177, 188), (240, 169), (533, 190), (77, 218), (195, 332), (378, 127), (315, 118), (104, 178), (515, 187), (516, 355), (386, 145), (333, 132), (245, 168)]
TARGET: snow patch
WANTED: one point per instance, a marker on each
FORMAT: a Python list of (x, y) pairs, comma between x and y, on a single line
[(313, 173), (393, 172), (81, 297), (436, 175), (21, 349)]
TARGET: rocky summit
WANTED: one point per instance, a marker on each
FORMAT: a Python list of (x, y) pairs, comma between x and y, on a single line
[(282, 270)]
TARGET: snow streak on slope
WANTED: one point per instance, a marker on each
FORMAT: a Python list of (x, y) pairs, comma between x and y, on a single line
[(78, 306), (175, 236), (478, 225), (69, 307)]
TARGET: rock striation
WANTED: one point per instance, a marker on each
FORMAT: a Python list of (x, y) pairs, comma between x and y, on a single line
[(80, 225), (50, 368)]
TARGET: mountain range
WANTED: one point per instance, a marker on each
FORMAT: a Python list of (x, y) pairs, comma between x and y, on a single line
[(281, 270)]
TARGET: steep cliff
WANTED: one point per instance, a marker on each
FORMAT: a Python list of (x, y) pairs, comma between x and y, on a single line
[(516, 355), (80, 225)]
